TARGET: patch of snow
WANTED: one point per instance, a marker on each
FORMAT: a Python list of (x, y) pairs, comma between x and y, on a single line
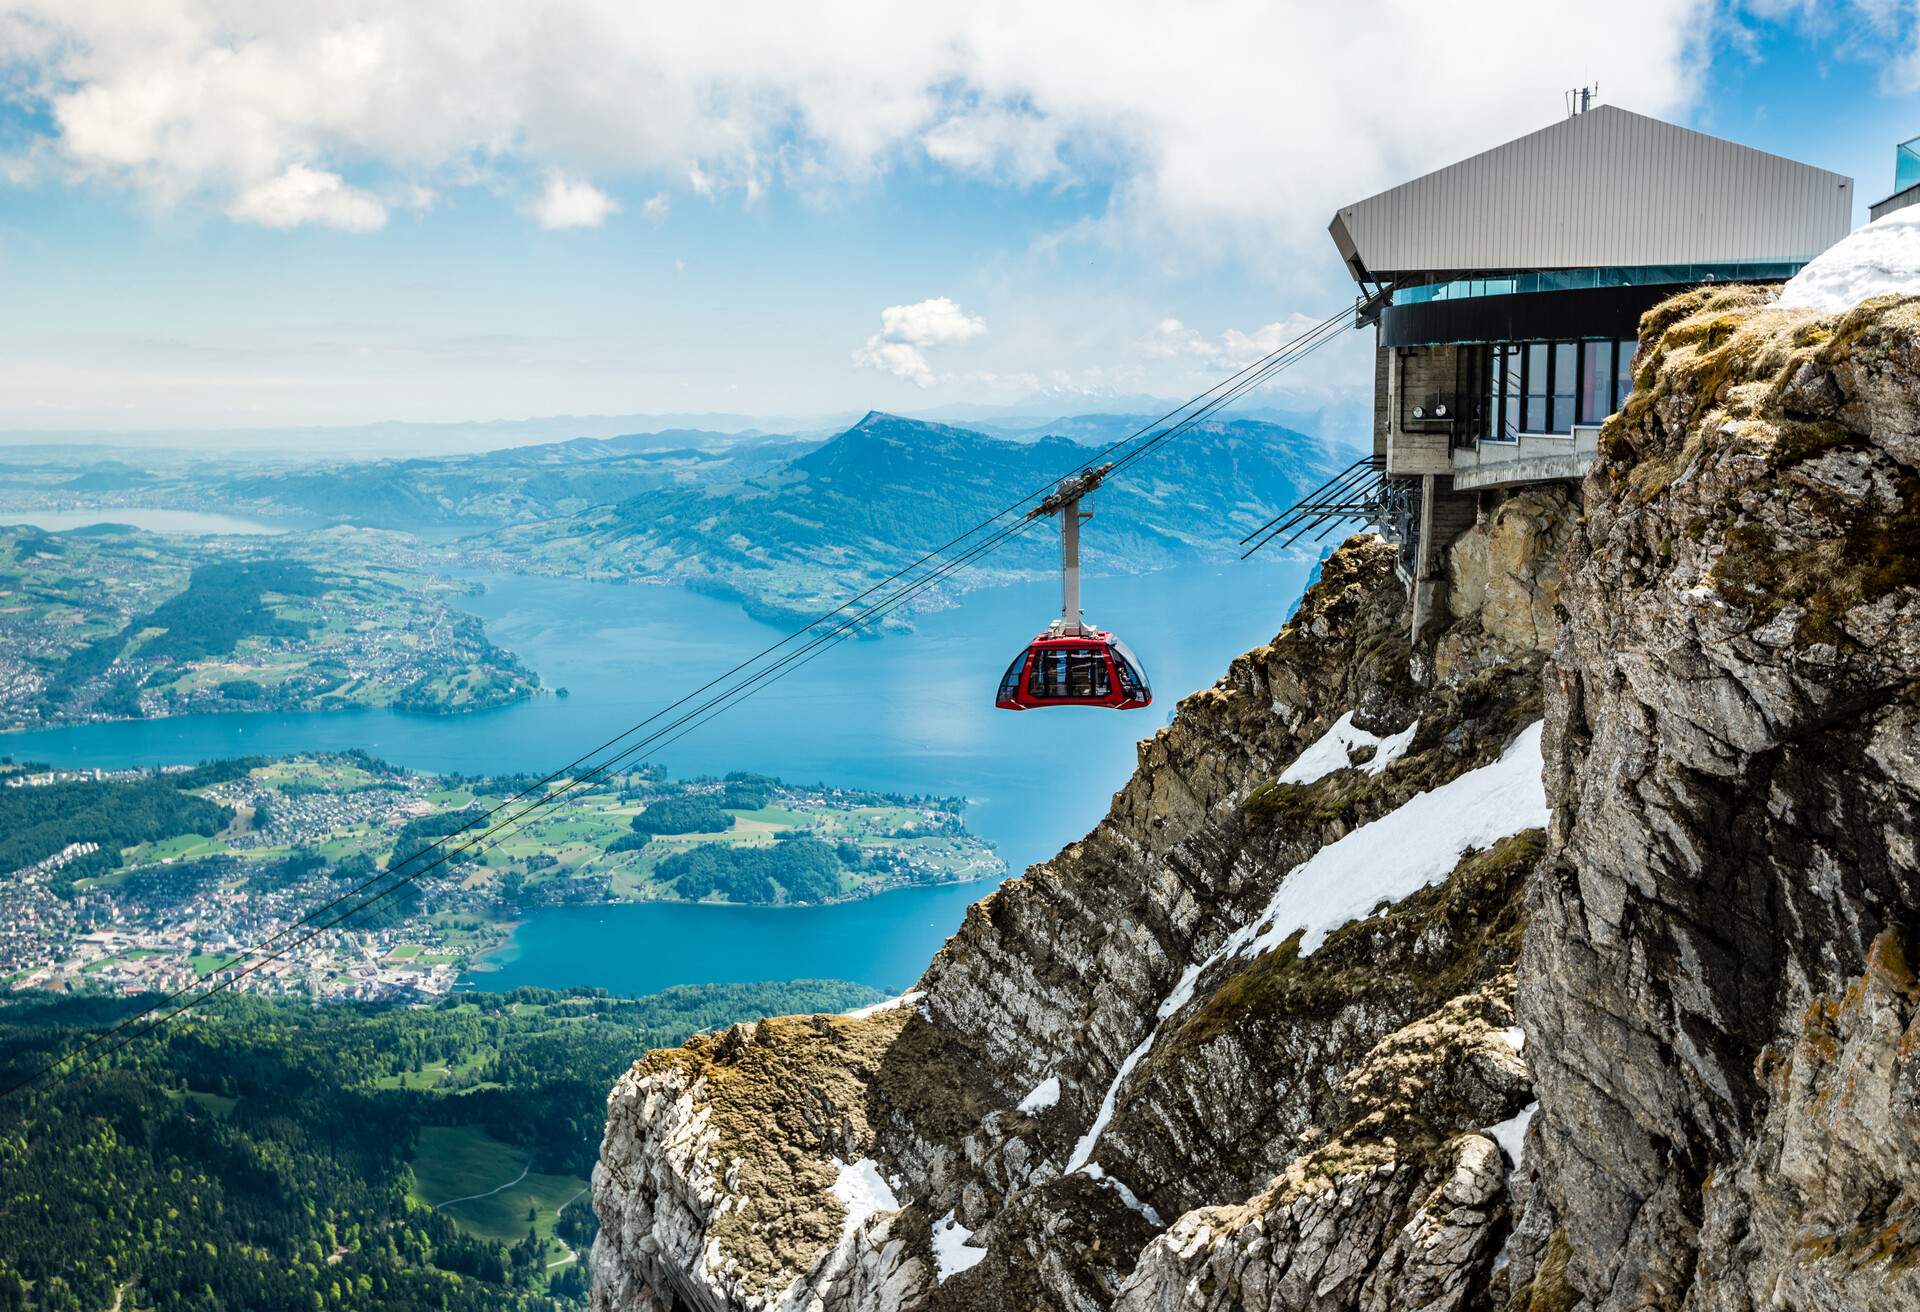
[(875, 1008), (862, 1190), (1415, 845), (1516, 1038), (1880, 259), (1334, 747), (1511, 1134), (1181, 995), (1093, 1171), (1044, 1095), (1402, 852), (952, 1254)]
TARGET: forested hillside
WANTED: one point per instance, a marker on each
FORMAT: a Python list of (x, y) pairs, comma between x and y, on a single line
[(113, 622), (277, 1158)]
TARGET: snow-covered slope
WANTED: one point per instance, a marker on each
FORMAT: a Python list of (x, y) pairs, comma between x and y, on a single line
[(1880, 259)]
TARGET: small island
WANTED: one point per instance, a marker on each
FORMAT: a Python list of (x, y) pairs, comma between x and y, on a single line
[(129, 881)]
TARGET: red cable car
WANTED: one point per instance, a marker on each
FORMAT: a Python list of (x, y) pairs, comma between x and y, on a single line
[(1070, 663)]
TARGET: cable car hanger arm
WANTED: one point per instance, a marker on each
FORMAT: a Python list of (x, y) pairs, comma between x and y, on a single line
[(1070, 491)]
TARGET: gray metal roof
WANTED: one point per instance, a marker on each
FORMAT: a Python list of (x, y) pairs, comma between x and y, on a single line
[(1599, 189)]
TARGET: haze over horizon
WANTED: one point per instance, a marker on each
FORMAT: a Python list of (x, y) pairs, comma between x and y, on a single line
[(214, 216)]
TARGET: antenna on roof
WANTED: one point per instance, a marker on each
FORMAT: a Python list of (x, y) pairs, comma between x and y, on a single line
[(1580, 99)]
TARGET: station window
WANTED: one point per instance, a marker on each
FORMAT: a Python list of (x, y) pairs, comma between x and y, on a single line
[(1510, 392), (1596, 381), (1536, 385), (1565, 377), (1501, 420), (1623, 372)]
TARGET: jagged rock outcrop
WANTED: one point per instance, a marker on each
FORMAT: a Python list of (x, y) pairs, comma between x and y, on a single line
[(1371, 992), (1504, 580), (1145, 1027), (1721, 1023)]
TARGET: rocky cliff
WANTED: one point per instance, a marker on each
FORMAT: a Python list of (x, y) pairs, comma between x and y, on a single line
[(1723, 1023), (1375, 991)]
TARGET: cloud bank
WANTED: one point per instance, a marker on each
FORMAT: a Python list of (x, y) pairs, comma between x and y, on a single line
[(1233, 128), (302, 195)]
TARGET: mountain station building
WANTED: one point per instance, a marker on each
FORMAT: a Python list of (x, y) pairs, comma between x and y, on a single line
[(1506, 290)]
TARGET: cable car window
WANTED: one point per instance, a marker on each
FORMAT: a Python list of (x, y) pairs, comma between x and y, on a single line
[(1068, 672), (1130, 668), (1010, 681)]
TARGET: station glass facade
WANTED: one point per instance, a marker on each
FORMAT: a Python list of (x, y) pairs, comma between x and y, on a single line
[(1548, 387)]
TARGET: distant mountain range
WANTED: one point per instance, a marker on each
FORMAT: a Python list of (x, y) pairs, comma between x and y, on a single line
[(510, 486), (785, 523), (797, 537), (1039, 414)]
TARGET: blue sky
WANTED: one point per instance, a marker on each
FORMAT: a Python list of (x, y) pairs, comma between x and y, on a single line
[(236, 215)]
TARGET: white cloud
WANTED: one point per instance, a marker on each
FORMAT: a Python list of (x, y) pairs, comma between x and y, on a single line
[(936, 322), (657, 208), (302, 195), (901, 359), (1022, 147), (1883, 34), (907, 332), (1214, 130), (569, 203)]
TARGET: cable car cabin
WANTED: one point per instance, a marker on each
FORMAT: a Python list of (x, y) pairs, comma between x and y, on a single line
[(1091, 668)]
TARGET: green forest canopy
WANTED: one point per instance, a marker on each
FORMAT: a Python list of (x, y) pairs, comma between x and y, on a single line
[(254, 1157)]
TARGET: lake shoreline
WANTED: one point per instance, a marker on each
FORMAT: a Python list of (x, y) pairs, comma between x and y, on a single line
[(636, 948), (913, 717)]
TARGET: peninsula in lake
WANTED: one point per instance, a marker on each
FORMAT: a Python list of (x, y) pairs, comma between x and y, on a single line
[(134, 880)]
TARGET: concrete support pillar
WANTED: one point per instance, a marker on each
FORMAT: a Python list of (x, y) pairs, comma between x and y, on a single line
[(1422, 560)]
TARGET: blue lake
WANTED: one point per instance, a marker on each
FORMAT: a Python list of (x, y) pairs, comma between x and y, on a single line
[(643, 947), (909, 713)]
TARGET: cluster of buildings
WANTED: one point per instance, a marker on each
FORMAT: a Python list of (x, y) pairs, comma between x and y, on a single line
[(304, 819), (25, 778), (340, 966), (174, 921), (37, 926)]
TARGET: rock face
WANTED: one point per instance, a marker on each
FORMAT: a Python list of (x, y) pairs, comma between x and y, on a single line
[(1144, 1031), (1722, 1022), (1373, 992)]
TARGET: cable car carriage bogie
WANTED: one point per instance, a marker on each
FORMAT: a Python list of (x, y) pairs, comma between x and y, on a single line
[(1071, 663)]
